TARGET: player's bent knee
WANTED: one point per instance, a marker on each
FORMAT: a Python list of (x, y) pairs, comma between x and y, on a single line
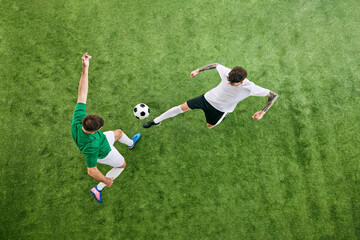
[(118, 134), (184, 107), (124, 165), (209, 125)]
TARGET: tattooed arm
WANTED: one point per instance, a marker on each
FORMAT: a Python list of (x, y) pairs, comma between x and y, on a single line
[(207, 67), (271, 99)]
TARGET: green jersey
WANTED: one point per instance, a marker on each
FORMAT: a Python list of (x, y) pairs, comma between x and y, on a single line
[(95, 145)]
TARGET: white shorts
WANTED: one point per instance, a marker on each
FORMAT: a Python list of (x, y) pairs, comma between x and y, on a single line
[(114, 158)]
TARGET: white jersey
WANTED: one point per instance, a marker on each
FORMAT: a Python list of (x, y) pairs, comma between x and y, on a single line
[(225, 97)]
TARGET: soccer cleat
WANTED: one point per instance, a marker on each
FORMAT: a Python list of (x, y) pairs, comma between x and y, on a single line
[(97, 194), (135, 138), (150, 123)]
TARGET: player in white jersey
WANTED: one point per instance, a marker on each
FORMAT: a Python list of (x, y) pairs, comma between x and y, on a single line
[(221, 100)]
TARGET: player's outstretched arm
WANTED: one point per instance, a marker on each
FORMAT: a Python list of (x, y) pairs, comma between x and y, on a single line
[(83, 85), (207, 67), (271, 99), (97, 175)]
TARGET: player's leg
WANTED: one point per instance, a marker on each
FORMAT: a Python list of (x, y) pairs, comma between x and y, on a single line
[(123, 138), (117, 161), (195, 103), (172, 112), (185, 107)]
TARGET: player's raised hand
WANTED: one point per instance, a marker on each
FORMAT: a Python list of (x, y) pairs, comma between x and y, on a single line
[(194, 73), (85, 60), (258, 115)]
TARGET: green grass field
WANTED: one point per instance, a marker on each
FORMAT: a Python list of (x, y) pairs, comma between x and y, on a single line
[(293, 175)]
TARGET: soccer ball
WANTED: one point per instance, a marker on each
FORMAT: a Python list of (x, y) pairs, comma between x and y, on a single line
[(141, 111)]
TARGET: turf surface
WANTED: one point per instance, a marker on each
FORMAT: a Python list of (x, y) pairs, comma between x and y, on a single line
[(292, 175)]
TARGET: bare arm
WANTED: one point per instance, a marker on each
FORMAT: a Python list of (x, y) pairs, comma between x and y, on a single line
[(83, 85), (207, 67), (97, 175), (271, 99)]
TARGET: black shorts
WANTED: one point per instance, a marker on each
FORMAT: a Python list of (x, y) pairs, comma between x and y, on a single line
[(212, 114)]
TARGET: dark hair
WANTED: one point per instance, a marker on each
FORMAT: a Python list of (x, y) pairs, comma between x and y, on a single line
[(92, 122), (237, 74)]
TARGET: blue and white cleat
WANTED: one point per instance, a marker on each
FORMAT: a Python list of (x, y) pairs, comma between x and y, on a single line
[(97, 194), (135, 138)]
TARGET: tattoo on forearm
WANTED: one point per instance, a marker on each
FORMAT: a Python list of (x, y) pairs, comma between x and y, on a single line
[(207, 67), (271, 99)]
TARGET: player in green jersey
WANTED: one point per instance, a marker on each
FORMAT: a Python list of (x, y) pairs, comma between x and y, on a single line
[(96, 145)]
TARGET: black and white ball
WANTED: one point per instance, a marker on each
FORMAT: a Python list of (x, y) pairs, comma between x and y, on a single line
[(141, 111)]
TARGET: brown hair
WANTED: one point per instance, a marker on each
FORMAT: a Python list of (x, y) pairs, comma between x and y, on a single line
[(92, 122), (237, 74)]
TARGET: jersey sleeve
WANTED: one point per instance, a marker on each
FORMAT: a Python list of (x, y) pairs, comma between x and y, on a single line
[(223, 72), (79, 113), (255, 90)]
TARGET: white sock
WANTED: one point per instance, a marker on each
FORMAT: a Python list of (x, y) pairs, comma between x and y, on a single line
[(172, 112), (114, 173), (126, 140)]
